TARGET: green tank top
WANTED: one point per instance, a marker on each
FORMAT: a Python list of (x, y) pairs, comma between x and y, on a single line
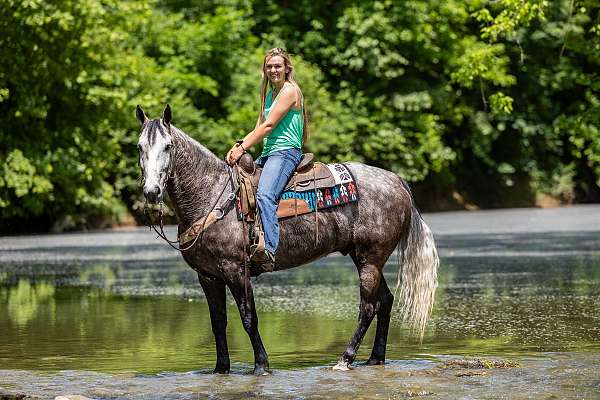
[(288, 132)]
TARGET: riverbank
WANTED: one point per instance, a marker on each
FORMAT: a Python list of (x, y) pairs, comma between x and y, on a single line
[(516, 220)]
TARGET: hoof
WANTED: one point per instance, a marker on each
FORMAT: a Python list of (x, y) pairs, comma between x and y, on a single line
[(221, 370), (341, 366), (261, 371), (372, 361)]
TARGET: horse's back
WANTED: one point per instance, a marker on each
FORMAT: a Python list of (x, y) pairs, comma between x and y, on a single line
[(384, 205), (379, 188)]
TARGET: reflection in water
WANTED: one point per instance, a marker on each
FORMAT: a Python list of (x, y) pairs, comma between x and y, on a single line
[(538, 304), (111, 313), (25, 300)]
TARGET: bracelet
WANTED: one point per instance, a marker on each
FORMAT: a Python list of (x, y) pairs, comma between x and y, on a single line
[(239, 143)]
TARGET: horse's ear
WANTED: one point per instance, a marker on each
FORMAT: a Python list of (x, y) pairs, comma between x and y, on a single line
[(167, 115), (139, 114)]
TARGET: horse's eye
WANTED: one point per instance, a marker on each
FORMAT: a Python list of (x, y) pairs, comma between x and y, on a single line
[(168, 147), (139, 146)]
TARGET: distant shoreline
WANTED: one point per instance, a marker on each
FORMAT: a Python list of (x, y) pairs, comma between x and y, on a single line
[(576, 218)]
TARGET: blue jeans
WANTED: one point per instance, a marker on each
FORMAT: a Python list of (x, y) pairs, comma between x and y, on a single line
[(278, 168)]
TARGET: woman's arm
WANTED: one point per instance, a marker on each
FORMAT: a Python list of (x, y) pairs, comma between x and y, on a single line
[(286, 100), (255, 128)]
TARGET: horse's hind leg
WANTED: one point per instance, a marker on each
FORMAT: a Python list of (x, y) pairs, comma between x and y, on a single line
[(386, 301), (370, 276)]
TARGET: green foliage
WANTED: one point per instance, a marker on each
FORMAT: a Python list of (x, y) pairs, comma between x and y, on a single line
[(501, 104), (480, 97), (20, 178), (505, 17), (71, 75), (482, 62)]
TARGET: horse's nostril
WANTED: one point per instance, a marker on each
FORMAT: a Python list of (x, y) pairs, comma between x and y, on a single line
[(152, 193)]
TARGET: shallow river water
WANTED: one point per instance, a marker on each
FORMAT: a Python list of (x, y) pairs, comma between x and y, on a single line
[(118, 315)]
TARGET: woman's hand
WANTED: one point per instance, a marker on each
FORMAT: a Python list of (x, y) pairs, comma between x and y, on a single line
[(234, 154)]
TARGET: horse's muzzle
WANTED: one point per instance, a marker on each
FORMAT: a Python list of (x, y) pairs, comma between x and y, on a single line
[(153, 194)]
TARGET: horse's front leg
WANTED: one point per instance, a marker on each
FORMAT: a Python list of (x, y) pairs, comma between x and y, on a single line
[(214, 290), (241, 289)]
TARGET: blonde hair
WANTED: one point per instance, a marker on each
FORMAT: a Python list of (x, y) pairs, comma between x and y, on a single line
[(289, 77)]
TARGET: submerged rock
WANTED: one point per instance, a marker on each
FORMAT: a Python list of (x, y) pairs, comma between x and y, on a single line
[(15, 396)]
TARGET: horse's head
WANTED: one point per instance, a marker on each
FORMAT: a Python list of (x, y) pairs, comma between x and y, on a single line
[(155, 146)]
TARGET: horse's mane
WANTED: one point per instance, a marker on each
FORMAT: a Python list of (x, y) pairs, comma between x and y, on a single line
[(190, 153)]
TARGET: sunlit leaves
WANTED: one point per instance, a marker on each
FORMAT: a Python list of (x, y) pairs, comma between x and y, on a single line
[(19, 179), (505, 17), (4, 93), (501, 104), (482, 62)]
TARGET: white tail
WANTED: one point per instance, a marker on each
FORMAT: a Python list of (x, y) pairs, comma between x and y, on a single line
[(417, 274)]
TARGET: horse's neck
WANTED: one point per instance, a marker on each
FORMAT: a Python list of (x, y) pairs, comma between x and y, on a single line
[(197, 179)]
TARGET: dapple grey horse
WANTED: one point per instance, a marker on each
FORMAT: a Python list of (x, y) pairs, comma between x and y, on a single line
[(385, 218)]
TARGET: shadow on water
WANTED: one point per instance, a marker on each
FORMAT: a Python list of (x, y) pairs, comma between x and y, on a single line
[(131, 309)]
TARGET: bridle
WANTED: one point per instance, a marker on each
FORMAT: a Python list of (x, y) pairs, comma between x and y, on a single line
[(220, 210)]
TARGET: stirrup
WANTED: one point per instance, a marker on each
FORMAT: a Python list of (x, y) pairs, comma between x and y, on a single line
[(262, 258)]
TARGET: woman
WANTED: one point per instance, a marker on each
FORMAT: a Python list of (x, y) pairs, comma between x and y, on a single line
[(282, 127)]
